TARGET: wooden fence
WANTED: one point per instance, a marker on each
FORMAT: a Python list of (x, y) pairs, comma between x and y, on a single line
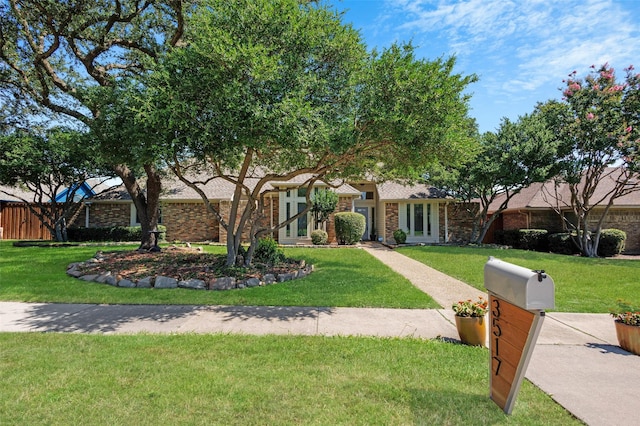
[(19, 223)]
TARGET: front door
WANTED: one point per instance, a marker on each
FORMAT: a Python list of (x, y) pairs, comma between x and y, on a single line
[(364, 211)]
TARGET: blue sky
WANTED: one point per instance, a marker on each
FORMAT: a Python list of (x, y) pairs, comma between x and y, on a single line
[(521, 50)]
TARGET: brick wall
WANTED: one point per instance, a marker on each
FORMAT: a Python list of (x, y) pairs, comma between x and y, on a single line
[(391, 221), (460, 221), (549, 220), (515, 220), (103, 215), (627, 220), (189, 222)]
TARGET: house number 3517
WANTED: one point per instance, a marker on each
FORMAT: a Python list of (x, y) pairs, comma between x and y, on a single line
[(496, 332)]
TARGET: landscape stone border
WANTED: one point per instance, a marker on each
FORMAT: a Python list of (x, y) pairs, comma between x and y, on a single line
[(162, 282)]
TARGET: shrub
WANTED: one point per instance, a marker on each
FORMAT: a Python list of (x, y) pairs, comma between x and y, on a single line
[(524, 239), (268, 252), (400, 236), (533, 239), (562, 243), (111, 233), (612, 242), (507, 237), (319, 237), (349, 227)]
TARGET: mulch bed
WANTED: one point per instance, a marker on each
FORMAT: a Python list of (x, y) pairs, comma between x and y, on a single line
[(179, 263)]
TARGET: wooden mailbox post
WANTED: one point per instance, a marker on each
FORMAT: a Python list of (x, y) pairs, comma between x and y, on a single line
[(517, 299)]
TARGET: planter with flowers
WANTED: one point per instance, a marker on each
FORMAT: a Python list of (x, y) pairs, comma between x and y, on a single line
[(471, 321), (628, 330)]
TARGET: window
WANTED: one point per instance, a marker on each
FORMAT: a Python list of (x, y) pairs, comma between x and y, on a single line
[(135, 219), (418, 220), (294, 201), (302, 221), (288, 230)]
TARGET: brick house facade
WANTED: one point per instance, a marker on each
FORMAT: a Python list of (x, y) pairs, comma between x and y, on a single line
[(420, 210), (532, 209)]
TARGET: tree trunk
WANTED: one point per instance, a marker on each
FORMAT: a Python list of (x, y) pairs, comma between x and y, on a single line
[(146, 205)]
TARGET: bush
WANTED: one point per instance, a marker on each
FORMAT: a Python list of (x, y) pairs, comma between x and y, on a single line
[(349, 227), (268, 252), (111, 233), (612, 242), (562, 243), (533, 239), (507, 237), (400, 236), (524, 239), (319, 237)]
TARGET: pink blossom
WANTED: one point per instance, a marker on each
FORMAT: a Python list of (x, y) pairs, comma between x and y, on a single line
[(628, 129), (575, 87), (590, 116)]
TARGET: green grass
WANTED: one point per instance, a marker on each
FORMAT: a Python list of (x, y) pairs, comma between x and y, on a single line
[(581, 284), (343, 277), (249, 380)]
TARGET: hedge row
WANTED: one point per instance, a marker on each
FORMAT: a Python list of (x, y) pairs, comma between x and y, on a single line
[(111, 233), (612, 241)]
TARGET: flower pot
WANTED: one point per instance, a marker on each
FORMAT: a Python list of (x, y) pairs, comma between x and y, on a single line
[(472, 330), (628, 337)]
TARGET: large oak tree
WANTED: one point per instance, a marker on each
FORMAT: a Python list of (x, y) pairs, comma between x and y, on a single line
[(66, 57), (269, 90)]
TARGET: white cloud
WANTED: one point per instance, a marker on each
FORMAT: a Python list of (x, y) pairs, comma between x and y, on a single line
[(525, 44)]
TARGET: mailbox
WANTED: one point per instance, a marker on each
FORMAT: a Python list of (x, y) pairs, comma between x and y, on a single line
[(517, 299), (530, 290)]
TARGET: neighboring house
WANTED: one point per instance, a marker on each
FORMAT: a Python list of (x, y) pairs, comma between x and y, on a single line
[(18, 222), (535, 208), (423, 212)]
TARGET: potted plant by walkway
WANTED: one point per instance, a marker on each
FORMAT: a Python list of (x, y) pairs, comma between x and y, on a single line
[(628, 329), (471, 321)]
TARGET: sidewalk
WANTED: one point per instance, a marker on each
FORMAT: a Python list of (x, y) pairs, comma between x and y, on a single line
[(576, 361)]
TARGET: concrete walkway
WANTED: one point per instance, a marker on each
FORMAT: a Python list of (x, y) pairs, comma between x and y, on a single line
[(576, 361)]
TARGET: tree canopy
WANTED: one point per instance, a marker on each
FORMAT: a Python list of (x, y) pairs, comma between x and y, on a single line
[(520, 153), (65, 58), (598, 125), (52, 167), (274, 89)]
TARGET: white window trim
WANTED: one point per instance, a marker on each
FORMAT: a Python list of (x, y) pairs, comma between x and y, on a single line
[(410, 230), (293, 226)]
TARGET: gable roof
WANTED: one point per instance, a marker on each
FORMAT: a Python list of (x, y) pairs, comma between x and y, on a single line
[(542, 195), (87, 189), (173, 189), (389, 191)]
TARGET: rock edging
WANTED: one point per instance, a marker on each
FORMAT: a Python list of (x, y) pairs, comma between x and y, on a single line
[(163, 282)]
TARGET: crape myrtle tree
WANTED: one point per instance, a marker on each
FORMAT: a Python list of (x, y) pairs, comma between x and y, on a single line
[(598, 124), (323, 203), (57, 55), (51, 165), (267, 91), (518, 154)]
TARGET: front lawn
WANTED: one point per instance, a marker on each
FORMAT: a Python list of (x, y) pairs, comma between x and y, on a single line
[(344, 277), (581, 284), (250, 380)]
